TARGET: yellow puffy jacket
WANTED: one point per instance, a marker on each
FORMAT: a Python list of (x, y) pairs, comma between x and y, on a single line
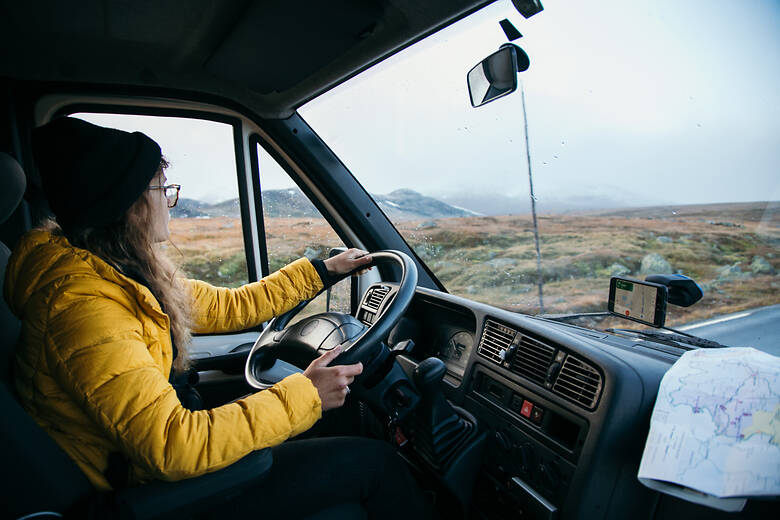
[(95, 354)]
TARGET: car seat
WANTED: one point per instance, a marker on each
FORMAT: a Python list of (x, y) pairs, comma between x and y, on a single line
[(38, 476)]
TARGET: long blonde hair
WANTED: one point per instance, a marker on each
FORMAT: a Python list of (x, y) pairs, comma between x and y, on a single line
[(129, 246)]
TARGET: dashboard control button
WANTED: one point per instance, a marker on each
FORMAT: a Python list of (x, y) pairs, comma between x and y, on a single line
[(537, 414), (524, 456), (517, 403), (527, 408)]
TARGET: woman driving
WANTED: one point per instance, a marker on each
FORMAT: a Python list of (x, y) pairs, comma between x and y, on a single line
[(106, 324)]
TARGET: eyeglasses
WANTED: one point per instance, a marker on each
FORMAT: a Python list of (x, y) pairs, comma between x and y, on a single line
[(171, 193)]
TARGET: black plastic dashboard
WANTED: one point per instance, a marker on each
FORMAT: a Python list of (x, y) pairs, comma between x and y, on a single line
[(566, 409)]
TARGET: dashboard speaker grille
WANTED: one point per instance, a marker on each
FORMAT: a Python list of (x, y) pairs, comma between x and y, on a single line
[(578, 382), (495, 341), (532, 359), (376, 297)]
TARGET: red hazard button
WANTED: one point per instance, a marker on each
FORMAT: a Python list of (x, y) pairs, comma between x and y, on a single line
[(527, 408)]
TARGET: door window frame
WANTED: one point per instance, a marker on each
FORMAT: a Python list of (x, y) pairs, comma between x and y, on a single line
[(247, 136), (253, 233), (324, 207)]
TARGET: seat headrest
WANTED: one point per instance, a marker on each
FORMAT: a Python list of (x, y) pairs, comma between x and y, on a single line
[(12, 185)]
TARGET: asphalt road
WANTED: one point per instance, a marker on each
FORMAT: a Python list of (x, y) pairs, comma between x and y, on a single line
[(758, 328)]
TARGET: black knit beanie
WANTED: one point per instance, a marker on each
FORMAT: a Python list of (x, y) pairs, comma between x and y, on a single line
[(91, 175)]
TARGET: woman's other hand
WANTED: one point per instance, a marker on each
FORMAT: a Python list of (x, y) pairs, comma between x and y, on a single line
[(331, 382), (347, 261)]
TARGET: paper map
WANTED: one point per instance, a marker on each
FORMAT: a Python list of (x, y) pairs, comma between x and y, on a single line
[(715, 427)]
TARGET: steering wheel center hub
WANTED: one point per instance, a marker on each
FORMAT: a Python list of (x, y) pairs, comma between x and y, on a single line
[(300, 343)]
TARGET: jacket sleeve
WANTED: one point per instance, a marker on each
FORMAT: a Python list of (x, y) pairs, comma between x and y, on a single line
[(96, 349), (218, 309)]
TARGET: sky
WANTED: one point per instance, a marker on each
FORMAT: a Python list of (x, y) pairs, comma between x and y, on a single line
[(640, 102), (645, 101), (199, 152)]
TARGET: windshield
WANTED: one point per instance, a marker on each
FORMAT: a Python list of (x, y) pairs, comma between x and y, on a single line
[(651, 146)]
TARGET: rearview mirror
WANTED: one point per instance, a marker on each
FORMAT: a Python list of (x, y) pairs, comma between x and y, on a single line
[(496, 75)]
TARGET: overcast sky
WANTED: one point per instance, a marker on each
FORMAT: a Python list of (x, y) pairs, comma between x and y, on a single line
[(649, 101), (622, 96)]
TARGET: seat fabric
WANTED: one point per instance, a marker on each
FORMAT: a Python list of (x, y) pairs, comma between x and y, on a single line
[(37, 475)]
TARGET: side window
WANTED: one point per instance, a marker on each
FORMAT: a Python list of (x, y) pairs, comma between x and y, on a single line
[(295, 228), (206, 230)]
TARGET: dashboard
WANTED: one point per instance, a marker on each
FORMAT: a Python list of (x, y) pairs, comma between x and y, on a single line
[(566, 409)]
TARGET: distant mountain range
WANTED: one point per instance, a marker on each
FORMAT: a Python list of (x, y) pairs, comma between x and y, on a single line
[(403, 204), (406, 204), (502, 204)]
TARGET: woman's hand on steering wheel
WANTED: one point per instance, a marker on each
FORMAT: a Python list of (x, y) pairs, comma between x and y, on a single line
[(307, 339), (331, 382), (348, 261)]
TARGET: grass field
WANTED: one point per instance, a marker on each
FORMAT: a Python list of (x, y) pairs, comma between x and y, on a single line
[(731, 250)]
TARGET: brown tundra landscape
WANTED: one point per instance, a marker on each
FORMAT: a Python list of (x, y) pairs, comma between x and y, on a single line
[(731, 250)]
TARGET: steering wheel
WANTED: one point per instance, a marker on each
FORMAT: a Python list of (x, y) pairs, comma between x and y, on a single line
[(311, 337)]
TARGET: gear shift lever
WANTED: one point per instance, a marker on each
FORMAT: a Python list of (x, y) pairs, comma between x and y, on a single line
[(438, 429), (429, 374)]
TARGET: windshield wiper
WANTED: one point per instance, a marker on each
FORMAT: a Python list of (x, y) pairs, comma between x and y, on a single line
[(676, 336)]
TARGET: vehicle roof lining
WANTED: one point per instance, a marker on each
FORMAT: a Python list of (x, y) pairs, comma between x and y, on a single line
[(271, 56)]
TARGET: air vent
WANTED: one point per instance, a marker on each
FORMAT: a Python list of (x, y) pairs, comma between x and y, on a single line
[(375, 297), (495, 341), (578, 382), (532, 359)]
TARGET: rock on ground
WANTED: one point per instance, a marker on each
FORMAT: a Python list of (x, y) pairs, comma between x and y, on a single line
[(654, 263)]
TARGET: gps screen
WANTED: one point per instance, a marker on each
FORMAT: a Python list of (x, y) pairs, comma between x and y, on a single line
[(635, 300)]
